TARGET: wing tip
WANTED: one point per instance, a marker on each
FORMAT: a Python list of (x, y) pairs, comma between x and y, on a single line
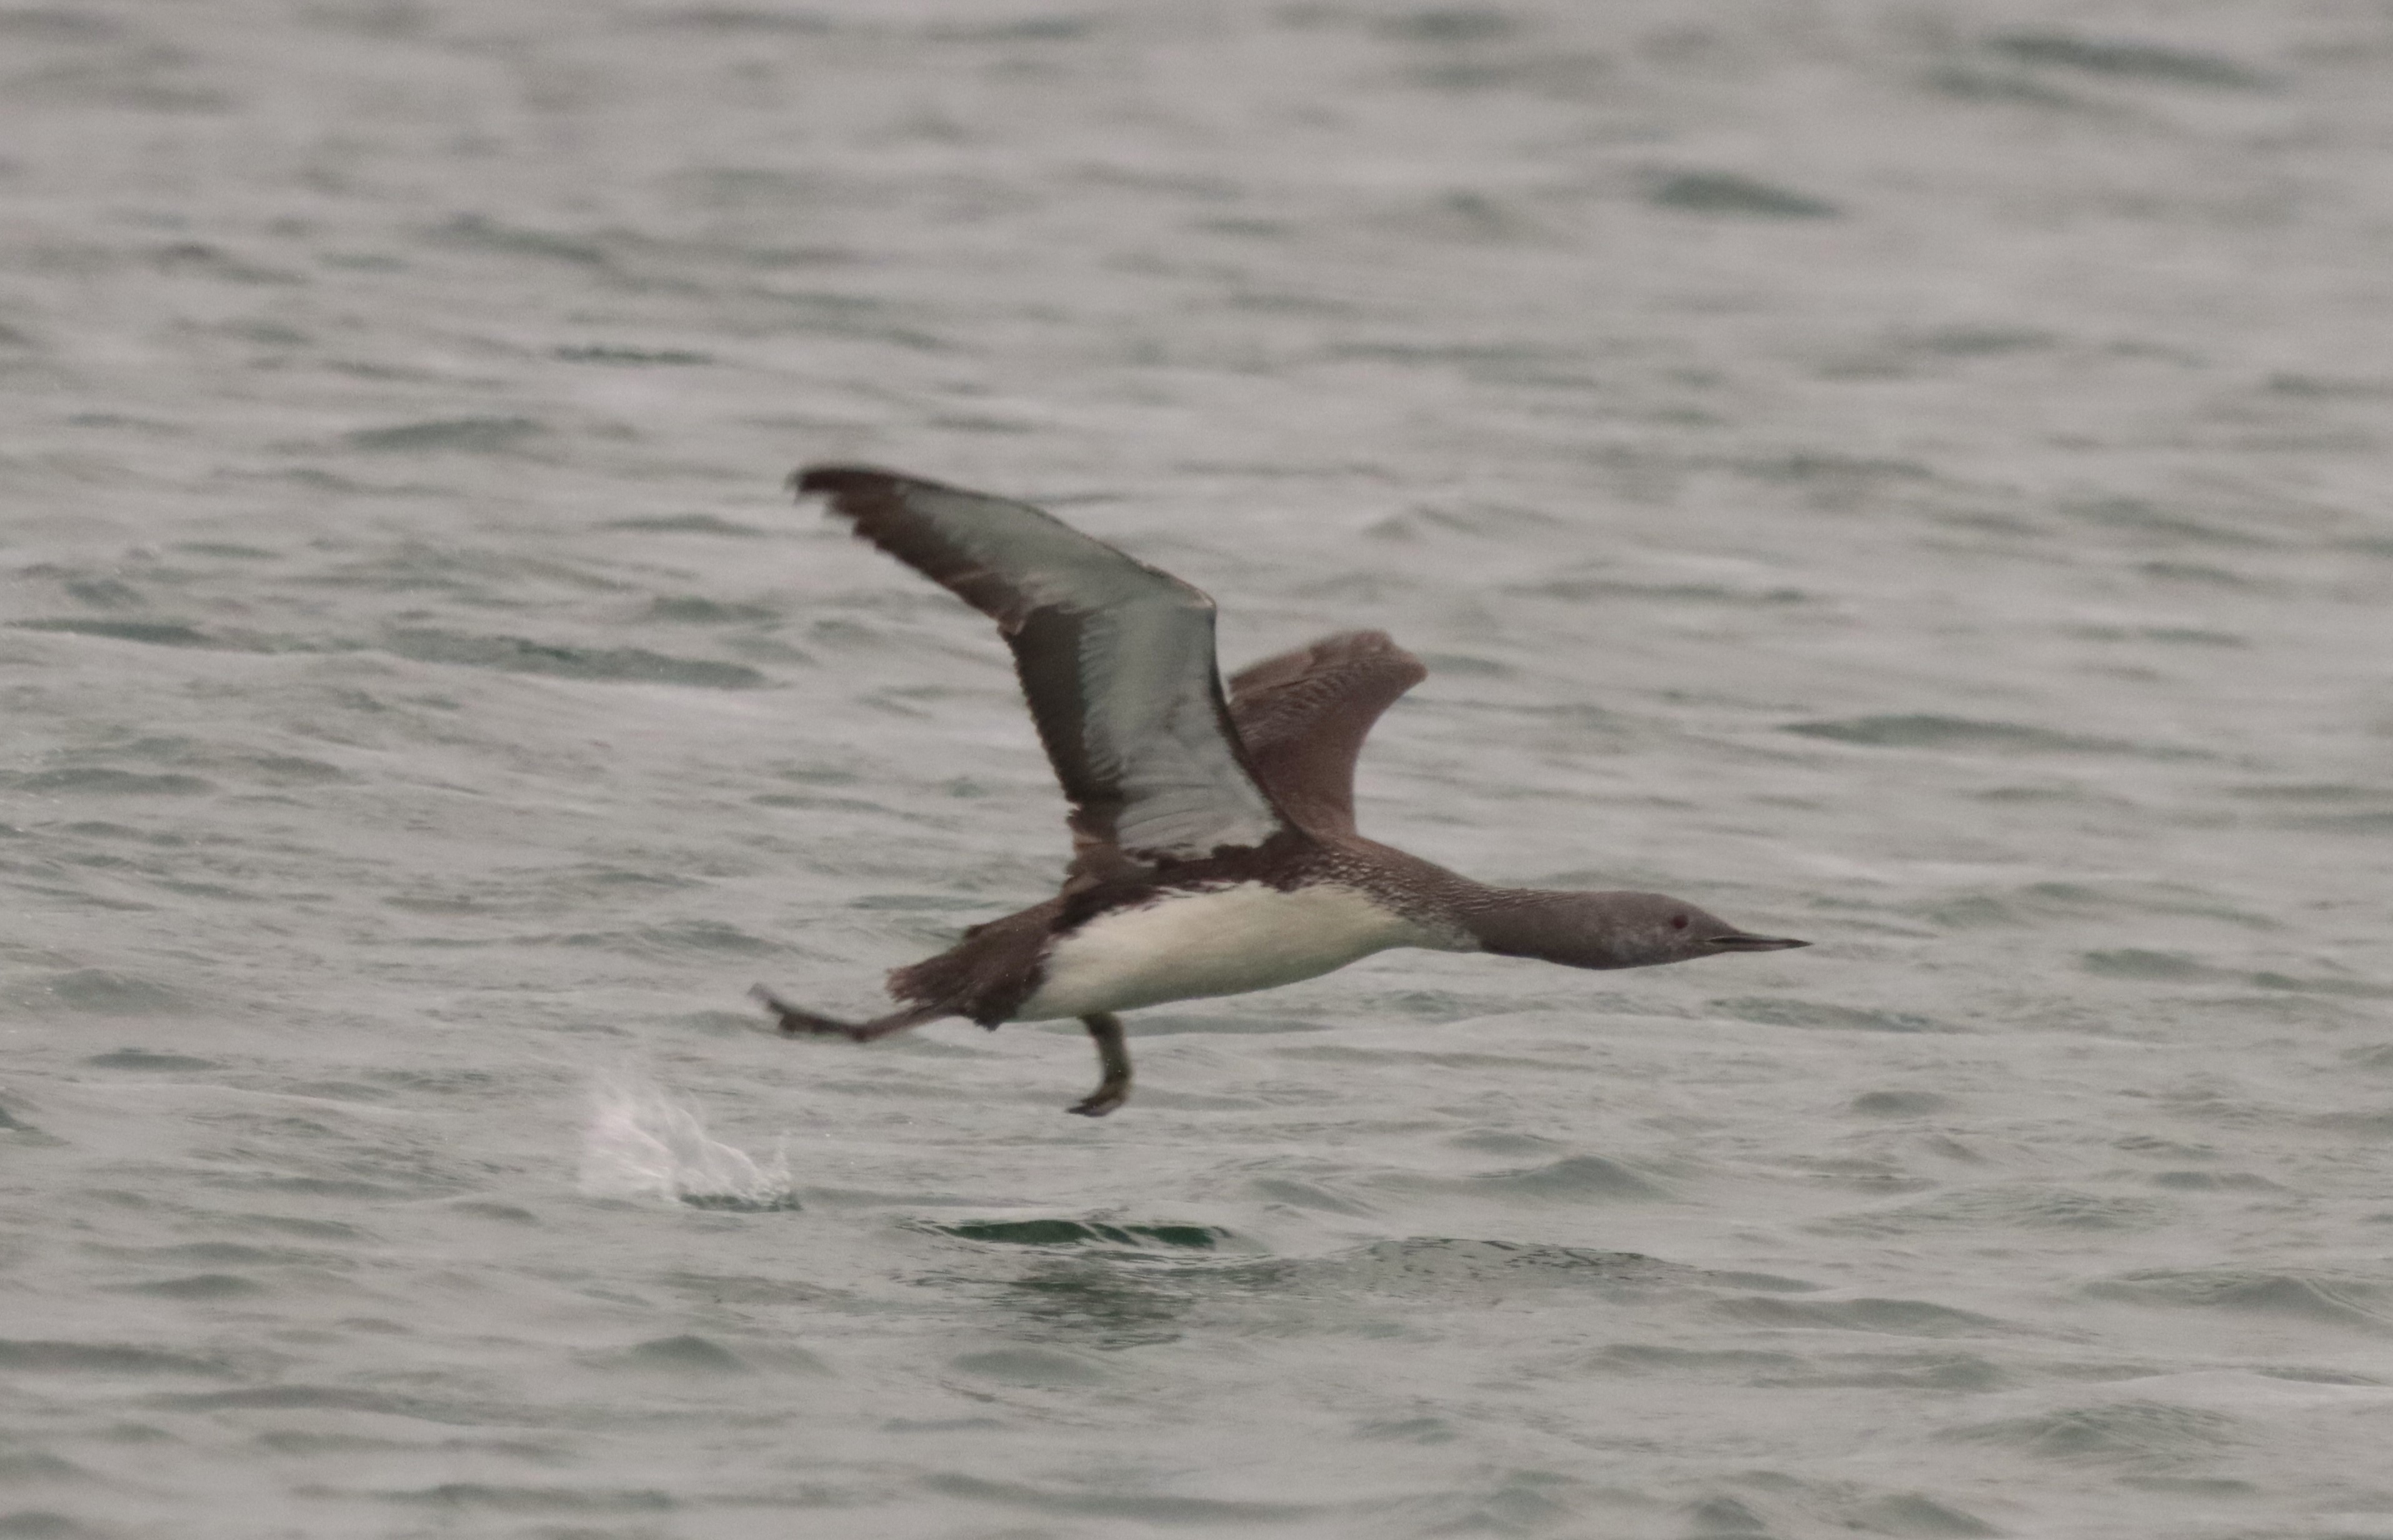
[(1372, 644), (837, 481)]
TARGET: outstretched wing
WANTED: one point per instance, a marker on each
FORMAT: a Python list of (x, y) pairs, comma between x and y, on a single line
[(1115, 657), (1302, 717)]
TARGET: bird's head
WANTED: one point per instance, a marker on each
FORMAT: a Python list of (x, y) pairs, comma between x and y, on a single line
[(1612, 930)]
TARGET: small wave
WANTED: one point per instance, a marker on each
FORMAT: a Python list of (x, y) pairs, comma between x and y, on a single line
[(2334, 1298), (103, 992), (1727, 192), (1964, 735), (1061, 1231), (2135, 1432), (1573, 1178), (468, 434), (156, 634), (518, 655), (684, 524), (2130, 59), (2018, 1205), (1894, 1317), (642, 1142), (104, 781), (1770, 1011)]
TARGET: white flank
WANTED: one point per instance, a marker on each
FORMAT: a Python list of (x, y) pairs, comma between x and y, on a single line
[(1216, 941)]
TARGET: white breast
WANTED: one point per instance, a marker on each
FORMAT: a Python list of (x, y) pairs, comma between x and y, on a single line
[(1215, 941)]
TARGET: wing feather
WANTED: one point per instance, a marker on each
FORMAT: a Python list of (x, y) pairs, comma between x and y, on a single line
[(1302, 716), (1116, 659)]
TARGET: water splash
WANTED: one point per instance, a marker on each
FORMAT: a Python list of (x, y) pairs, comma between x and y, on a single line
[(642, 1141)]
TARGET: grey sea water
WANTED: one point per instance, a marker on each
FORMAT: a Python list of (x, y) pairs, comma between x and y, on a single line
[(1908, 475)]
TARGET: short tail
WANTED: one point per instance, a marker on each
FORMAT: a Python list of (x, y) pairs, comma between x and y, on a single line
[(793, 1019)]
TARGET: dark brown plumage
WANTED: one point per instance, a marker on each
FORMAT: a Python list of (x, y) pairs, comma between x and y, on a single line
[(1302, 717), (1214, 842)]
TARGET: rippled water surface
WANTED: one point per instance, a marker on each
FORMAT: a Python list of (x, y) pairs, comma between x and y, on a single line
[(1911, 476)]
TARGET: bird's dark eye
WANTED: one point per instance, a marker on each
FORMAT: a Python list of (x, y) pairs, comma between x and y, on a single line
[(1678, 922)]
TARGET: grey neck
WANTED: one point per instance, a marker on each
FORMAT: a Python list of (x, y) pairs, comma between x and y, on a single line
[(1578, 929)]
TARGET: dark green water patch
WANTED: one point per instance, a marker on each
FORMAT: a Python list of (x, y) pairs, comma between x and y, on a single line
[(684, 1354), (2135, 962), (1580, 590), (1894, 1317), (100, 1358), (294, 770), (601, 353), (701, 936), (1771, 1010), (1898, 1103), (2137, 1432), (2329, 387), (2139, 516), (156, 634), (106, 993), (684, 524), (743, 18), (1933, 1371), (1030, 1366), (1913, 1514), (1449, 25), (734, 1203), (1929, 731), (487, 234), (142, 1058), (1819, 467), (516, 655), (25, 1466), (98, 779), (303, 1397), (199, 1286), (1028, 29), (2356, 988), (2128, 60), (1452, 1269), (461, 435), (1574, 1179), (1143, 1510), (690, 609), (1738, 1365), (2192, 572), (2335, 1300), (1978, 342), (1306, 1194), (2168, 635), (1727, 192), (1184, 1237), (534, 1499), (2010, 1205), (223, 1253)]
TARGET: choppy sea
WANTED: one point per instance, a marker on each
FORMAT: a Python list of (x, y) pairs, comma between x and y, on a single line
[(1908, 474)]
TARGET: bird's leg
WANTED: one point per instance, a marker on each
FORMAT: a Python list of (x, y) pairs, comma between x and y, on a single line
[(1113, 1052), (793, 1019)]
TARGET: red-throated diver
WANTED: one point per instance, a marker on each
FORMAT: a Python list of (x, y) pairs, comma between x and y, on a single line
[(1214, 848)]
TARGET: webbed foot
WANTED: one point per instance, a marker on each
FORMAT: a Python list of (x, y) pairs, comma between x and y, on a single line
[(794, 1020), (1113, 1054)]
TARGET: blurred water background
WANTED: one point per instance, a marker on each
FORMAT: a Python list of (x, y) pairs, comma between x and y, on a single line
[(1903, 472)]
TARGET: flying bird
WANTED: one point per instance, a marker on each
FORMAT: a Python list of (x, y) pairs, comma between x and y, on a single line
[(1214, 850)]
